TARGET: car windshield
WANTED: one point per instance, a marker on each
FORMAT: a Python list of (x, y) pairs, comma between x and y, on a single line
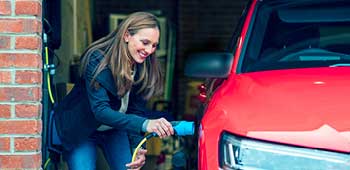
[(298, 34)]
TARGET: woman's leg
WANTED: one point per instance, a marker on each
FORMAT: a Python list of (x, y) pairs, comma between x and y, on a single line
[(116, 148), (82, 157)]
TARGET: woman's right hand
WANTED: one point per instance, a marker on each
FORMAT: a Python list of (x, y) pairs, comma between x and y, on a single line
[(161, 127)]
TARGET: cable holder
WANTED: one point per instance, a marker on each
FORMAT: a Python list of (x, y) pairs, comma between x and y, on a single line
[(50, 68)]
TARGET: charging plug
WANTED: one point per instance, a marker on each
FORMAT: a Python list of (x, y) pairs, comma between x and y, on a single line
[(183, 128)]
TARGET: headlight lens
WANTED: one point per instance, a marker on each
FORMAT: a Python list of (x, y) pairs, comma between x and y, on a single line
[(247, 154)]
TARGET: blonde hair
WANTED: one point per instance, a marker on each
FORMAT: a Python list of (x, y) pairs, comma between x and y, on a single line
[(118, 59)]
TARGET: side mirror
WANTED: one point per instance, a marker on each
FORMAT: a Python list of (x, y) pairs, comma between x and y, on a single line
[(209, 65)]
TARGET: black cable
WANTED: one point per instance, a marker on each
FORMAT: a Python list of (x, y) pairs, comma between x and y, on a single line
[(56, 56), (49, 25)]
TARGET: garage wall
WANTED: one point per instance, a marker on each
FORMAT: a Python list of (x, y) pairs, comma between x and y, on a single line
[(103, 8), (75, 37), (203, 25)]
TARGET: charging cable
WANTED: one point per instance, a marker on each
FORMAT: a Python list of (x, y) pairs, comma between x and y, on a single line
[(50, 69), (181, 128)]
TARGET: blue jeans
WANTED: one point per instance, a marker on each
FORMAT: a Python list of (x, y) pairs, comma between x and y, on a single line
[(114, 144)]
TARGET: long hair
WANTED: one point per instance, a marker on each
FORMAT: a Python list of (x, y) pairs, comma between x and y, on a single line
[(118, 59)]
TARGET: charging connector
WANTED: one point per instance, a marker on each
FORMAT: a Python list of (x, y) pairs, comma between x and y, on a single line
[(181, 128)]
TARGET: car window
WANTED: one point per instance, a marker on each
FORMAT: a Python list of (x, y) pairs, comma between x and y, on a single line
[(298, 35)]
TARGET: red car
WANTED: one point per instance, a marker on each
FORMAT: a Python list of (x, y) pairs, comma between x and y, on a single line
[(280, 97)]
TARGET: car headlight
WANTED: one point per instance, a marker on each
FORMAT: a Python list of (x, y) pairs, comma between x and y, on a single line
[(246, 154)]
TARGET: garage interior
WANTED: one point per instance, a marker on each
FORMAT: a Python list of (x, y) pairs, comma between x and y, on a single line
[(187, 27)]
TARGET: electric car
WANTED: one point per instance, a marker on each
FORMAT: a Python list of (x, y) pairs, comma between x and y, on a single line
[(279, 97)]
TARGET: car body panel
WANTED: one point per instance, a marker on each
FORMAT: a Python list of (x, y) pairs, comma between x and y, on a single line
[(242, 38), (310, 106), (302, 107)]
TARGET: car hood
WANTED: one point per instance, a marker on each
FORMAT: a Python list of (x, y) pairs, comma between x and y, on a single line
[(304, 107)]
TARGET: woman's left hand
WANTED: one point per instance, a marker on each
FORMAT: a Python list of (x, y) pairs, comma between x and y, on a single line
[(139, 161)]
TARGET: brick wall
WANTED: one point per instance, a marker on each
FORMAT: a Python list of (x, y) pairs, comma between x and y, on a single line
[(20, 84)]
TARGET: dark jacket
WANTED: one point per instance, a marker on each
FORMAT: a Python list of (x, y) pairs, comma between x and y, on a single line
[(85, 108)]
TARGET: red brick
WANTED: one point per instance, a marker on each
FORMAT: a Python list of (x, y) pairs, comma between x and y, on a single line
[(20, 94), (5, 7), (20, 127), (31, 42), (11, 25), (27, 110), (27, 144), (28, 8), (5, 42), (31, 26), (5, 111), (20, 60), (20, 26), (6, 60), (20, 161), (28, 77), (4, 144), (5, 77)]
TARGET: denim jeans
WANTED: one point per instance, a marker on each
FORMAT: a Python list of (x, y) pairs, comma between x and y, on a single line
[(114, 144)]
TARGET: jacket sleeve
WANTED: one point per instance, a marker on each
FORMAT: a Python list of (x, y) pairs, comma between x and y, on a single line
[(100, 103)]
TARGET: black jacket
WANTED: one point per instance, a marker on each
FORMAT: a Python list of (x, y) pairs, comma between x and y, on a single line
[(85, 108)]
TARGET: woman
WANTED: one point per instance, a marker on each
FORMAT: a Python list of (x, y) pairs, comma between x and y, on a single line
[(119, 74)]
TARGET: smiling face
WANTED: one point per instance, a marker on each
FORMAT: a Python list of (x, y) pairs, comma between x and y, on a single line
[(142, 44)]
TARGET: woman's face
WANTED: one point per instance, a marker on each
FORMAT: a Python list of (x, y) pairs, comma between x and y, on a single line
[(142, 44)]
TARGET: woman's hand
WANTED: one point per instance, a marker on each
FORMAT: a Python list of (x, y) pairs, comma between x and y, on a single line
[(139, 161), (161, 127)]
